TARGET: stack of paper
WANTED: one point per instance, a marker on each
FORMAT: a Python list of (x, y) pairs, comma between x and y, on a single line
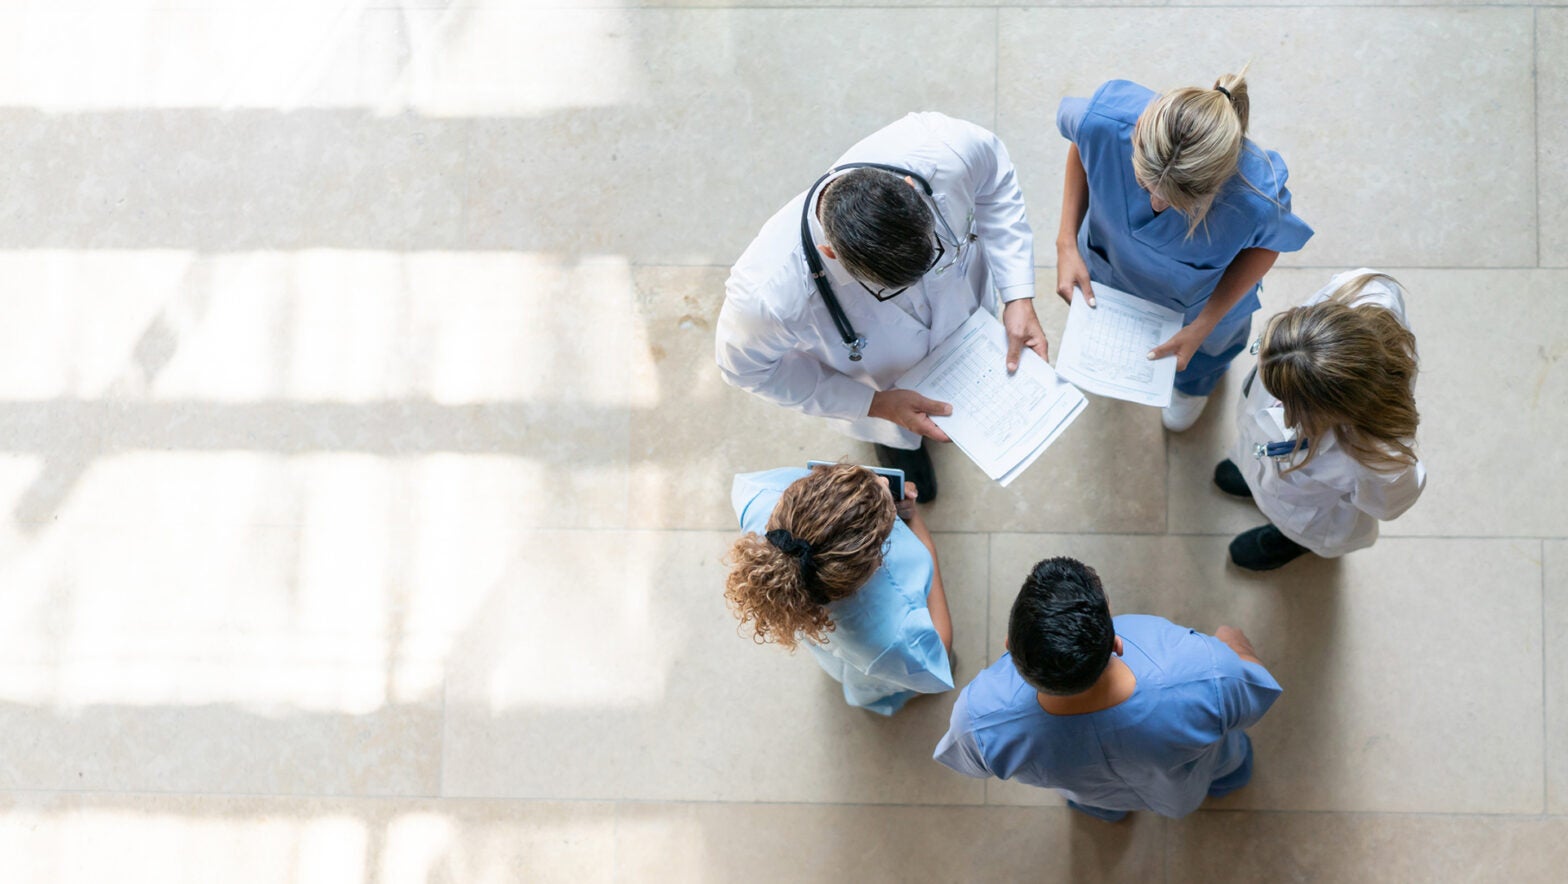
[(1105, 348), (1003, 422)]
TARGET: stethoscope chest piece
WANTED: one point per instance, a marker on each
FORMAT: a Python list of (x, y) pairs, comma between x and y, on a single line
[(1278, 450)]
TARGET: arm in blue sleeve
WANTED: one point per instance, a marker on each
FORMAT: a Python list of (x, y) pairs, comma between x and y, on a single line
[(1069, 114), (919, 661), (1281, 230), (958, 748), (1246, 689)]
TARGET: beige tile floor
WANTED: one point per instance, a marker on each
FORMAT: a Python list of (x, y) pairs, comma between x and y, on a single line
[(363, 467)]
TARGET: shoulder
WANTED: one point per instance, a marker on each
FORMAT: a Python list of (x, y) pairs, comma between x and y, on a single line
[(755, 494), (1379, 290), (1180, 653), (1106, 117), (1265, 170), (1150, 625), (1120, 100), (938, 147), (998, 694), (948, 129), (1121, 97), (889, 613), (769, 278)]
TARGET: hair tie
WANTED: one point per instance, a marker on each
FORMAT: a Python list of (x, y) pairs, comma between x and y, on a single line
[(1223, 91), (796, 548)]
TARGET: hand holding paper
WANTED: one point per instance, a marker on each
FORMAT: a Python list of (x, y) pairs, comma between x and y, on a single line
[(1002, 421), (1106, 350)]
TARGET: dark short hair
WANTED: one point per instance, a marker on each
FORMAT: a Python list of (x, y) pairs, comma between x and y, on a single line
[(878, 227), (1060, 632)]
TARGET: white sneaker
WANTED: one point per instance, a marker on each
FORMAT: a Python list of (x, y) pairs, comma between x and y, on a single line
[(1183, 411)]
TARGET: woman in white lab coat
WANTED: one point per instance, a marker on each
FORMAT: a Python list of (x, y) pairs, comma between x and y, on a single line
[(1326, 431)]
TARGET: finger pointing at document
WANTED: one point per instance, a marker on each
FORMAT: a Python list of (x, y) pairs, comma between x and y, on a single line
[(1023, 330), (911, 411)]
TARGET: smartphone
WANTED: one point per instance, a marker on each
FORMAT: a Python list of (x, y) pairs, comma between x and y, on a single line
[(895, 478)]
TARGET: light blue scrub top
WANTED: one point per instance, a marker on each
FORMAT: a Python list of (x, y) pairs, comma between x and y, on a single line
[(1157, 750), (884, 648), (1127, 246)]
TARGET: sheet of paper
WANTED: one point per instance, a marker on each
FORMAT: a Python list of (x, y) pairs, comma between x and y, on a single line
[(1105, 348), (1004, 423)]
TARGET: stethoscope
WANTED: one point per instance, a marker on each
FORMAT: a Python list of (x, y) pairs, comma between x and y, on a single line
[(1276, 450), (854, 341)]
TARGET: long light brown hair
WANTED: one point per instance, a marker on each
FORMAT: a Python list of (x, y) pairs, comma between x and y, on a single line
[(846, 514), (1187, 143), (1346, 369)]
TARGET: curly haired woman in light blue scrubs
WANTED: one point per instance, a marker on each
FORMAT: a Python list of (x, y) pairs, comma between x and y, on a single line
[(1166, 199), (830, 561)]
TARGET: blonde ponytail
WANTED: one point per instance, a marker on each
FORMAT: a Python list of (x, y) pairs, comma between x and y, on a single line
[(1234, 88), (1187, 143)]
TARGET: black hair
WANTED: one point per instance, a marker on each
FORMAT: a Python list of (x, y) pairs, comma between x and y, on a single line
[(1060, 632), (879, 228)]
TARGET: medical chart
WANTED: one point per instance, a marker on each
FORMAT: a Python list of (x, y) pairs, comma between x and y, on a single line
[(1004, 423), (1105, 348)]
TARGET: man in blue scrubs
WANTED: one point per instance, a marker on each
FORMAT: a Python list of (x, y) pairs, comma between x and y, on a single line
[(1134, 713)]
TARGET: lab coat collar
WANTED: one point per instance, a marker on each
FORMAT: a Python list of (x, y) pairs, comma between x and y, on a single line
[(837, 275)]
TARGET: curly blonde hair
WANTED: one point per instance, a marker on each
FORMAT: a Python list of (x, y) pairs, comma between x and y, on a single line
[(846, 514), (1347, 369)]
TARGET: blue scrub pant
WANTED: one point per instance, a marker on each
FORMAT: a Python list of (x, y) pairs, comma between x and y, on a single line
[(1208, 365), (1237, 778)]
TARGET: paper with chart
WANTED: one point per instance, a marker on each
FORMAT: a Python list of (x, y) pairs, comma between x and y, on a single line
[(1004, 423), (1105, 348)]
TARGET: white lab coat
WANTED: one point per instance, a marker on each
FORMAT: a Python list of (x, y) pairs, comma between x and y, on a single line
[(775, 336), (1333, 504)]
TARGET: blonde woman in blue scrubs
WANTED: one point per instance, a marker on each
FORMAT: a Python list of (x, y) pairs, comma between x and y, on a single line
[(1166, 199)]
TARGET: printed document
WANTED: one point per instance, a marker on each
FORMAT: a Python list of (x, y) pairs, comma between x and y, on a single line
[(1004, 423), (1105, 348)]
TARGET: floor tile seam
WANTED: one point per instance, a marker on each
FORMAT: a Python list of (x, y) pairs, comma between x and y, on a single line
[(1386, 538), (446, 683), (615, 841), (1026, 533), (987, 532), (1383, 539), (1535, 119), (1546, 674), (292, 796), (990, 552), (1167, 840), (996, 71), (616, 803), (1026, 7), (1391, 268)]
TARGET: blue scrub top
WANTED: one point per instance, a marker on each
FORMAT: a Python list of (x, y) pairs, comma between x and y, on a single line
[(884, 648), (1158, 750), (1127, 246)]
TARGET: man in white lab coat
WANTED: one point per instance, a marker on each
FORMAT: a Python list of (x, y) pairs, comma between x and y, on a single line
[(908, 249)]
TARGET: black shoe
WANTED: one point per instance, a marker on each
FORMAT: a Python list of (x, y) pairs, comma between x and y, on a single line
[(916, 464), (1229, 479), (1263, 548)]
